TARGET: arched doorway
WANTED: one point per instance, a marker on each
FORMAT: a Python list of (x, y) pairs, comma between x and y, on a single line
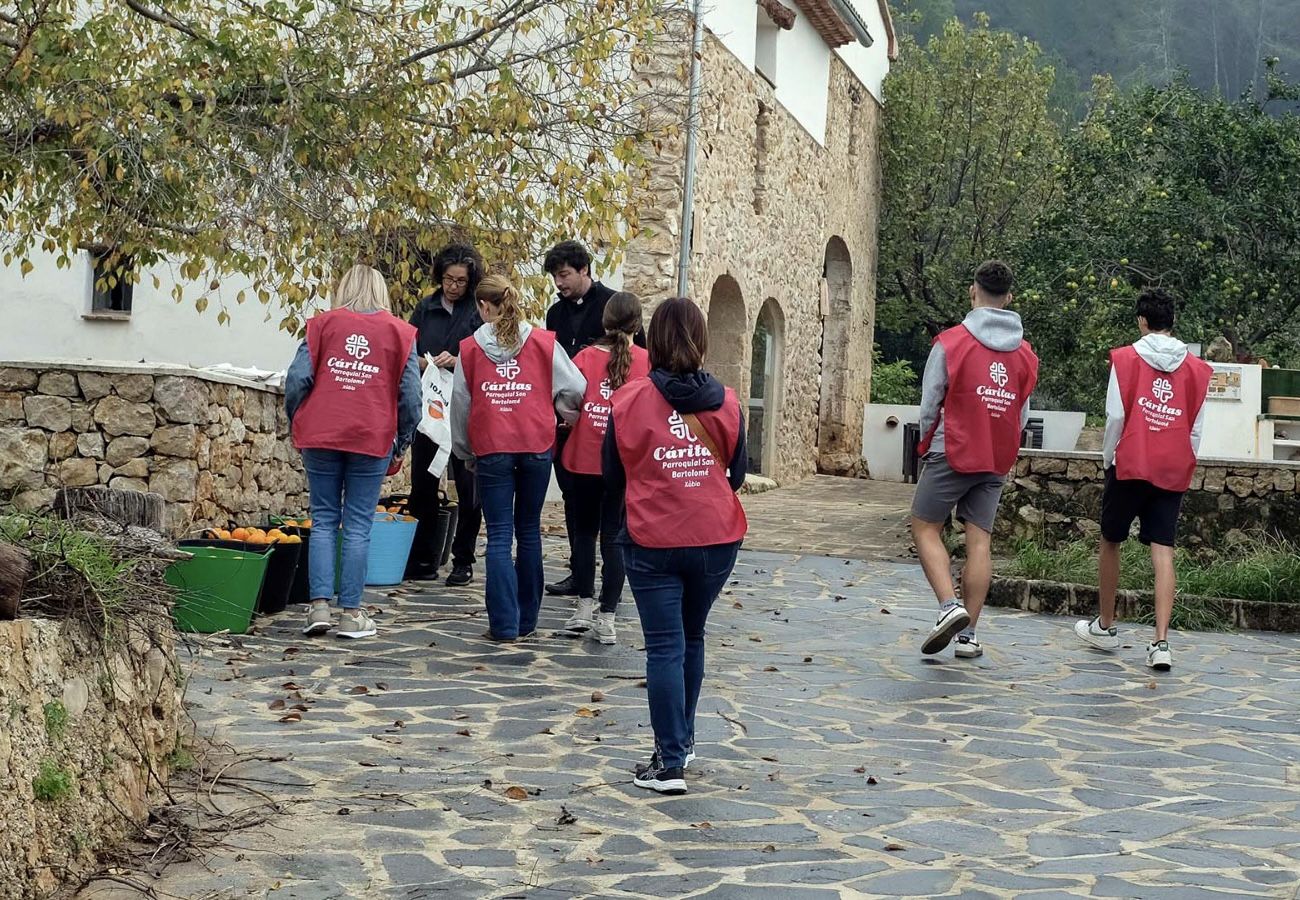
[(764, 405), (837, 278), (729, 336)]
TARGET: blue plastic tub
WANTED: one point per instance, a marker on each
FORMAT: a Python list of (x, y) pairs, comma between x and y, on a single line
[(390, 547)]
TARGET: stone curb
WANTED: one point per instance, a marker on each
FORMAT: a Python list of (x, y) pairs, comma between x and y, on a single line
[(1057, 599)]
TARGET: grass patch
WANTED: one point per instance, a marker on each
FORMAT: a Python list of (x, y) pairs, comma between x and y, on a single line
[(53, 783), (56, 720), (1263, 569), (182, 760)]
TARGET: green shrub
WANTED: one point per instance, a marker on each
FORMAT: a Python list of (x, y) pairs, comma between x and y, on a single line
[(1263, 569), (53, 783), (893, 382), (56, 720)]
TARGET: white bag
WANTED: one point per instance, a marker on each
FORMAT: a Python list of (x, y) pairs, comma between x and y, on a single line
[(435, 422)]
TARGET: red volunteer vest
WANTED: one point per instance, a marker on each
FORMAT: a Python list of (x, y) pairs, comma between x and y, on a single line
[(1160, 409), (357, 364), (512, 405), (677, 494), (581, 452), (987, 391)]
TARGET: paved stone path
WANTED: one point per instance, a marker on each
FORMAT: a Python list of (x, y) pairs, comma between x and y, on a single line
[(854, 518), (834, 760)]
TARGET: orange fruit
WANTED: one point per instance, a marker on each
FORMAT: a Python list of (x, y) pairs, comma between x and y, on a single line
[(239, 534), (290, 523), (380, 508), (409, 519), (291, 539), (305, 523)]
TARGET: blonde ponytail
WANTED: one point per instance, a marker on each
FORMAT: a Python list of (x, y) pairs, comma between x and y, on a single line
[(498, 292)]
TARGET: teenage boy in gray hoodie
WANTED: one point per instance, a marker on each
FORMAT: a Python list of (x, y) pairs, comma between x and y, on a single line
[(1155, 406), (974, 406)]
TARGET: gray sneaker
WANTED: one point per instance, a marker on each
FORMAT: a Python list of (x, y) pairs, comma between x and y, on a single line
[(1159, 656), (319, 619), (356, 623), (583, 618), (603, 630), (967, 647)]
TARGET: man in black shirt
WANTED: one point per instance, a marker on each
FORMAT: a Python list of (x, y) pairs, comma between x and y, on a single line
[(442, 320), (576, 320)]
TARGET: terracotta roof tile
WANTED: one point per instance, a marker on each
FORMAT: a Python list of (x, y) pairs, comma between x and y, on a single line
[(827, 21)]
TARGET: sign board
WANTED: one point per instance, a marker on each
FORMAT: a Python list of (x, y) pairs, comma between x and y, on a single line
[(1225, 383)]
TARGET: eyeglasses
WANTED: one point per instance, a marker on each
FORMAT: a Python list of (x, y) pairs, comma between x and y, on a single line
[(452, 281)]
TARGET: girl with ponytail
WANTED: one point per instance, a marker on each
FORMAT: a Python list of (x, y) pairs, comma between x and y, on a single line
[(511, 381), (608, 365)]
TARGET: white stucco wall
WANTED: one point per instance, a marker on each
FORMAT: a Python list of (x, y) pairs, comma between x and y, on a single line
[(44, 318), (870, 64), (803, 57)]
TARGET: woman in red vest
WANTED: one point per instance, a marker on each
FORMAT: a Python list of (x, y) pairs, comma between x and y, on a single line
[(607, 365), (675, 447), (353, 398), (511, 381)]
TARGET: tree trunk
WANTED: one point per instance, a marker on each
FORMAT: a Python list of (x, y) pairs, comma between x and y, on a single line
[(14, 569)]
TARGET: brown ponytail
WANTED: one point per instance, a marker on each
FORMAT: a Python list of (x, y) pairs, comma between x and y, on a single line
[(621, 320), (497, 291)]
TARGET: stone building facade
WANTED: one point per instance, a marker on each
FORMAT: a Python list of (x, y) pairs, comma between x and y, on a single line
[(783, 253)]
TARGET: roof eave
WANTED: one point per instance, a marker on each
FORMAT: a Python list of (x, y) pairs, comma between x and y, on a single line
[(854, 21)]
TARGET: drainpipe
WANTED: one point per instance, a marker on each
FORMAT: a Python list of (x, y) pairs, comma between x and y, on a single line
[(688, 181)]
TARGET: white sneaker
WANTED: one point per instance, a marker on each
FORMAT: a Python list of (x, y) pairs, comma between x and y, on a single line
[(951, 621), (319, 619), (583, 617), (604, 629), (355, 623), (1092, 634), (968, 647), (1159, 656)]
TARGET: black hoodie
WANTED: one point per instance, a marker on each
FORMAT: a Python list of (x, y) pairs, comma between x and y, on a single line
[(690, 393)]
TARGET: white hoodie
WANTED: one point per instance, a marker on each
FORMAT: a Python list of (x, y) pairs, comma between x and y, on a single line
[(1164, 353), (567, 384)]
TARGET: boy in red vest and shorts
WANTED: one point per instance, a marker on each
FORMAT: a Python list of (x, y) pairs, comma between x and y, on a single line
[(1154, 408), (974, 406)]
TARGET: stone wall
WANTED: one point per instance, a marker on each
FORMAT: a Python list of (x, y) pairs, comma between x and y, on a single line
[(1057, 497), (88, 732), (771, 204), (214, 448)]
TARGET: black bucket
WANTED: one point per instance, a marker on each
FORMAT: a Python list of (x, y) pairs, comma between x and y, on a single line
[(300, 590), (448, 511)]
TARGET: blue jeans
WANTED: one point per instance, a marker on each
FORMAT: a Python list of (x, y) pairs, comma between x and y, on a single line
[(344, 491), (674, 590), (512, 489)]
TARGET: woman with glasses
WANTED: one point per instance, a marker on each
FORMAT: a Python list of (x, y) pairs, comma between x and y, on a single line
[(443, 320)]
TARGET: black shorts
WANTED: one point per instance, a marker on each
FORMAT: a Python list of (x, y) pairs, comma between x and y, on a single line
[(1156, 509)]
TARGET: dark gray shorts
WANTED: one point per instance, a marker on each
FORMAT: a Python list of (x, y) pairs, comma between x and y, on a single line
[(940, 490)]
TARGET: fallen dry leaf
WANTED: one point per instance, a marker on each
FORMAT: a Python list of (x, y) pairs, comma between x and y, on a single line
[(359, 689), (516, 793), (464, 732), (770, 848), (769, 759), (737, 605), (367, 763), (565, 817), (871, 779), (807, 659), (771, 669), (885, 611), (586, 713), (292, 717), (276, 704), (597, 696), (1151, 685), (701, 824), (894, 848), (382, 685), (290, 686), (861, 770)]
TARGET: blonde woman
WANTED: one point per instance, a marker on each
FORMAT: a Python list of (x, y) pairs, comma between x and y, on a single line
[(353, 398), (511, 381)]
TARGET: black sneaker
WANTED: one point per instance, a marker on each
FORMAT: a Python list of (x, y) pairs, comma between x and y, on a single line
[(421, 572), (562, 588), (460, 575), (654, 777)]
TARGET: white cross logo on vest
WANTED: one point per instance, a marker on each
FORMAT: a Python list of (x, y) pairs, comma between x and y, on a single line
[(508, 369), (605, 390), (1162, 390), (677, 426), (357, 346), (998, 372)]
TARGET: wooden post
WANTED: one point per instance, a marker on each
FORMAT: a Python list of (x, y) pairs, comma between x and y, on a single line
[(14, 569)]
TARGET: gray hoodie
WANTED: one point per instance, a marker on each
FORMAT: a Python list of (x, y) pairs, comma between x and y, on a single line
[(997, 329), (1164, 353), (567, 384)]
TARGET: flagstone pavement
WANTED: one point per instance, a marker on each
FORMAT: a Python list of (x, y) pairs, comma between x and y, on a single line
[(835, 761)]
